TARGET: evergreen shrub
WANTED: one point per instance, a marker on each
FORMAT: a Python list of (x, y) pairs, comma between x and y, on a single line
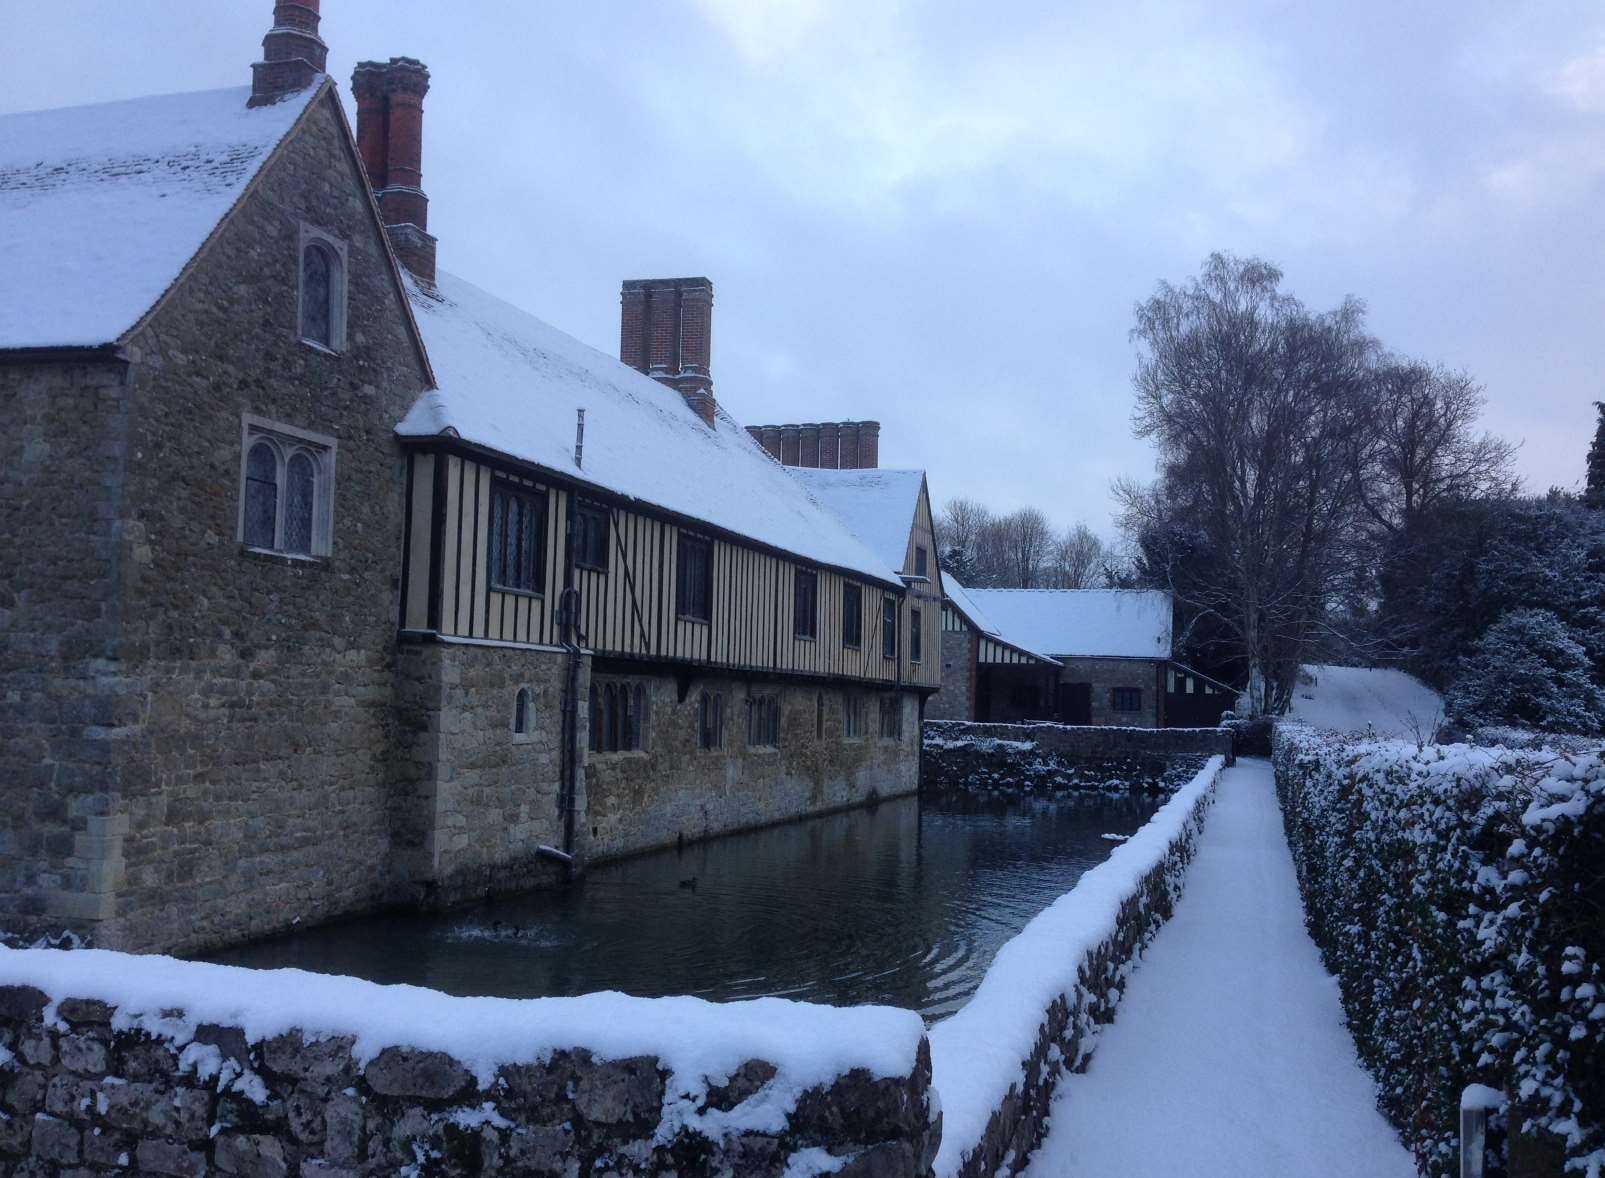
[(1458, 895)]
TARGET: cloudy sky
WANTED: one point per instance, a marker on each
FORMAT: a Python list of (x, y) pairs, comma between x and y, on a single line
[(939, 215)]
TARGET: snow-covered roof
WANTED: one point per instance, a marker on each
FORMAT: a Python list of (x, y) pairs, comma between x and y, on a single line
[(511, 383), (878, 506), (102, 206), (1080, 623), (960, 597)]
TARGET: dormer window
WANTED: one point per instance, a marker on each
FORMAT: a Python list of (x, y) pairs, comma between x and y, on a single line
[(286, 489), (322, 299)]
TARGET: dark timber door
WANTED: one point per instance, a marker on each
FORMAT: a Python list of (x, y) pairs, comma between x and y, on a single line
[(1075, 703)]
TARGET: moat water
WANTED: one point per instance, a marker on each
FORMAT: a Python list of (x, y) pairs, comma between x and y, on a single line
[(905, 903)]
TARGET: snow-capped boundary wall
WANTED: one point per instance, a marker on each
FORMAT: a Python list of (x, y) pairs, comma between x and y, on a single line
[(996, 1062), (1081, 740), (118, 1062), (1454, 892)]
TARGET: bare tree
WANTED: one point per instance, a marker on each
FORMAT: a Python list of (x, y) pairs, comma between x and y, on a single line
[(959, 529), (1258, 408), (1023, 541), (1078, 559), (1423, 448)]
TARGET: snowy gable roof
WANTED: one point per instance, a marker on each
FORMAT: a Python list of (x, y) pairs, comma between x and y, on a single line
[(101, 207), (878, 506), (960, 597), (511, 383), (1081, 623)]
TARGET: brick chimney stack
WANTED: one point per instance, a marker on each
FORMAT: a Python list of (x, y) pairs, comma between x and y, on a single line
[(390, 136), (293, 55), (828, 445), (666, 331)]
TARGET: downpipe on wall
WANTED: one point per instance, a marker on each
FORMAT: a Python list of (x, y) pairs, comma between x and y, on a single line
[(568, 612)]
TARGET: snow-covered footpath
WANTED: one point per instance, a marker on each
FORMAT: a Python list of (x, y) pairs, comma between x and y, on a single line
[(995, 1062), (1230, 1055)]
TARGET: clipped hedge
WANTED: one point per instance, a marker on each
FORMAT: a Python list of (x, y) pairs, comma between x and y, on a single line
[(1458, 894)]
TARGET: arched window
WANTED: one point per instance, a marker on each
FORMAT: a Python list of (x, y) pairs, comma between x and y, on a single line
[(301, 476), (819, 716), (710, 733), (638, 718), (596, 719), (286, 490), (261, 495), (521, 712), (319, 274)]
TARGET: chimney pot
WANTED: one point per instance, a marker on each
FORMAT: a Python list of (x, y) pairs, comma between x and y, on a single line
[(829, 445), (808, 446), (849, 445), (789, 442), (771, 440), (869, 445)]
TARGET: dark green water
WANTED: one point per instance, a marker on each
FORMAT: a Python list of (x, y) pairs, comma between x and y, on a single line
[(903, 904)]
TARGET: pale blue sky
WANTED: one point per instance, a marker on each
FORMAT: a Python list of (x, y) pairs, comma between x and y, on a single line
[(940, 215)]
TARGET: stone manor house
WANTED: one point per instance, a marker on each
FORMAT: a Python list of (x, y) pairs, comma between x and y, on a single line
[(330, 581)]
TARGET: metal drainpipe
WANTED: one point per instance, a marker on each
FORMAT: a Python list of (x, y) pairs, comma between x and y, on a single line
[(568, 619)]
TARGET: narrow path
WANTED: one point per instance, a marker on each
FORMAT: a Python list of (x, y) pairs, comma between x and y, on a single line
[(1229, 1055)]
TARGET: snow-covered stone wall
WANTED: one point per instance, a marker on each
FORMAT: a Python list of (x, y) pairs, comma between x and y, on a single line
[(996, 1063), (111, 1062), (1454, 891), (1058, 757)]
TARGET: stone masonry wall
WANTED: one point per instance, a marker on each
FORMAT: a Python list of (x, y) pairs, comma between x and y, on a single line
[(474, 800), (81, 1094), (63, 705), (1080, 741), (256, 775), (956, 699), (636, 801), (1106, 674)]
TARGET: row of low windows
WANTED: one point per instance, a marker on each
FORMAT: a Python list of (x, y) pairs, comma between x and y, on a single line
[(618, 714)]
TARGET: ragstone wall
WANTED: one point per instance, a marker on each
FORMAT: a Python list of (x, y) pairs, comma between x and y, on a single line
[(1037, 1012), (89, 1087), (956, 699), (62, 429), (1146, 675), (475, 800), (1037, 757), (636, 801)]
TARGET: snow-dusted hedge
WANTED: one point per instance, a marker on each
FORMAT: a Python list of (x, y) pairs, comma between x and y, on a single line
[(1458, 893), (994, 1063)]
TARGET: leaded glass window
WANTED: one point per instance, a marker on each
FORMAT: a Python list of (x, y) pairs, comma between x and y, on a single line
[(299, 491), (317, 295), (261, 496)]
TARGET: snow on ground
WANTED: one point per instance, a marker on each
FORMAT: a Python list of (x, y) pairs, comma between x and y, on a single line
[(1229, 1055), (1352, 699), (976, 1054)]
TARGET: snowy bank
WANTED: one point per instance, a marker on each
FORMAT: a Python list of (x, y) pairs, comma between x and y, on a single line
[(630, 1079), (1453, 891), (995, 1063)]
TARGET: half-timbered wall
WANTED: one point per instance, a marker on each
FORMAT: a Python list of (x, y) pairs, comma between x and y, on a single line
[(630, 608)]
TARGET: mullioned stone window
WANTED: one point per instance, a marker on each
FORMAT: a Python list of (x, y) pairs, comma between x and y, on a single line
[(891, 717), (763, 721), (286, 489), (710, 720), (618, 716)]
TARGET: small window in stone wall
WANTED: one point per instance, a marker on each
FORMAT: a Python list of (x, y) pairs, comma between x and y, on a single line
[(853, 716), (1126, 699), (763, 721), (892, 717), (321, 294), (286, 489), (819, 716), (521, 712), (710, 720), (617, 716)]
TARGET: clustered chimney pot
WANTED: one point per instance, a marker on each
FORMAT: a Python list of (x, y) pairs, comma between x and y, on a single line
[(831, 445)]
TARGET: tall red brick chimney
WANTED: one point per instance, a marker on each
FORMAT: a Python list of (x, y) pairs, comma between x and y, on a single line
[(666, 331), (293, 55), (390, 136)]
